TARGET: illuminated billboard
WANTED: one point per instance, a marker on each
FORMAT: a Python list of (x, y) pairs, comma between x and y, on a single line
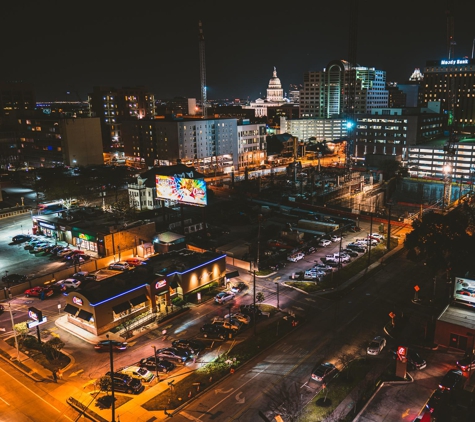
[(186, 191), (464, 290)]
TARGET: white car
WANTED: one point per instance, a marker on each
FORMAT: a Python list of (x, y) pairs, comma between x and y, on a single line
[(243, 318), (325, 242), (343, 257), (378, 236), (222, 297), (296, 257), (377, 344), (68, 283), (119, 266), (335, 238), (139, 373)]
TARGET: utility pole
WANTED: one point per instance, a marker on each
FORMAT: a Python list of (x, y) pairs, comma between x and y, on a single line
[(388, 244), (204, 100), (254, 301), (111, 358)]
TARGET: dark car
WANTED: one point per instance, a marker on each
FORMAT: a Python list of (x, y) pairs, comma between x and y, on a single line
[(353, 253), (437, 398), (467, 363), (414, 359), (173, 354), (238, 287), (124, 383), (104, 346), (453, 380), (153, 364), (20, 238), (214, 331), (14, 278), (1, 309), (194, 346), (251, 310), (324, 372)]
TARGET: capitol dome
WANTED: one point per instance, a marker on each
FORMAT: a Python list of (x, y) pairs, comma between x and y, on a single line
[(274, 82)]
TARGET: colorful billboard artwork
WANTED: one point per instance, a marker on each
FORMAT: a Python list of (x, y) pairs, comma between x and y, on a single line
[(187, 191), (464, 290)]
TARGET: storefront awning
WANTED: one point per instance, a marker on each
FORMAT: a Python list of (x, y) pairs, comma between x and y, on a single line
[(121, 307), (139, 299), (232, 274), (70, 309), (86, 316)]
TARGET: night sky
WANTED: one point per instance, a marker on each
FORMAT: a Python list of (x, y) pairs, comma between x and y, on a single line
[(61, 46)]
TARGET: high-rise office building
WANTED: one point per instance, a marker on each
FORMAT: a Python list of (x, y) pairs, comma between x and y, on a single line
[(452, 82), (325, 93)]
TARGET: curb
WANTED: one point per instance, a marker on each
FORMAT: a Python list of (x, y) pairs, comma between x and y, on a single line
[(30, 375), (84, 411)]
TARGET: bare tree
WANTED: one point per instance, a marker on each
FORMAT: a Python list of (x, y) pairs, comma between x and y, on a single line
[(345, 358), (287, 401)]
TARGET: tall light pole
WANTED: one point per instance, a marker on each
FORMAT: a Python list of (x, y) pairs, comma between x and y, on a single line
[(258, 239), (156, 363), (254, 300), (111, 358), (13, 325), (388, 245)]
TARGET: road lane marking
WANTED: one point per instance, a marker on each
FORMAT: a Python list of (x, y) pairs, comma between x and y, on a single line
[(8, 404), (36, 395)]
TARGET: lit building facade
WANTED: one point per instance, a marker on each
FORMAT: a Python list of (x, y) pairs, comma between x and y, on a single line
[(324, 93), (318, 128), (452, 82)]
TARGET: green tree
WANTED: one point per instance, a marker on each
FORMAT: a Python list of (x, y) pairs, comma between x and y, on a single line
[(52, 348), (105, 384), (443, 241), (21, 330), (260, 297)]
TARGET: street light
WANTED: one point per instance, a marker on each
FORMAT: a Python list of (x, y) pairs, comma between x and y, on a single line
[(156, 365), (111, 358), (13, 325)]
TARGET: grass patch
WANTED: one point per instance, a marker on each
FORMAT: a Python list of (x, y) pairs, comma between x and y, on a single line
[(306, 286), (212, 372), (351, 380), (30, 347)]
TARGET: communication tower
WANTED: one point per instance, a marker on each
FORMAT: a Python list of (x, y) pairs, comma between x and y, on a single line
[(204, 101)]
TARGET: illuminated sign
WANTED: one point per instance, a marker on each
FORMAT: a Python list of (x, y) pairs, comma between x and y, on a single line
[(160, 284), (402, 352), (187, 191), (86, 237), (77, 301), (47, 225), (35, 314), (449, 62), (31, 324), (464, 290)]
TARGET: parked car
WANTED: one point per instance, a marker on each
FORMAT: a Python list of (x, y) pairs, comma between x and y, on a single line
[(437, 398), (352, 253), (453, 380), (20, 238), (378, 236), (296, 257), (194, 346), (14, 278), (214, 331), (335, 238), (229, 324), (153, 364), (104, 346), (119, 266), (323, 267), (242, 318), (324, 372), (38, 290), (71, 255), (173, 354), (124, 383), (238, 287), (63, 252), (467, 363), (139, 373), (356, 247), (376, 345), (136, 261), (414, 359), (68, 283), (85, 276), (251, 310), (324, 242), (40, 247), (223, 297)]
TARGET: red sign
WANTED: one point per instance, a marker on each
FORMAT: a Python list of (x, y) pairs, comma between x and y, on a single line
[(160, 284), (417, 288), (401, 352)]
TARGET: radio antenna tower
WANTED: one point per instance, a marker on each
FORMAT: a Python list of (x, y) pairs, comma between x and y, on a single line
[(204, 101)]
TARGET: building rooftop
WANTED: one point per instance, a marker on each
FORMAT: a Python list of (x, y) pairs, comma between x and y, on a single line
[(440, 142), (457, 315)]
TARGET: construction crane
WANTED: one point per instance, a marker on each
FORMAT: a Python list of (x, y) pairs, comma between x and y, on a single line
[(351, 84), (449, 147), (204, 101)]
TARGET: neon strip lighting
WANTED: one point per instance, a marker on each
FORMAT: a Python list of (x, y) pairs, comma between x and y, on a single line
[(114, 297), (194, 268)]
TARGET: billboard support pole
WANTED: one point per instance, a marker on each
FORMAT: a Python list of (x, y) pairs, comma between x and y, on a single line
[(182, 219)]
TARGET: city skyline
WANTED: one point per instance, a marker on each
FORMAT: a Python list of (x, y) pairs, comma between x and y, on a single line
[(59, 51)]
